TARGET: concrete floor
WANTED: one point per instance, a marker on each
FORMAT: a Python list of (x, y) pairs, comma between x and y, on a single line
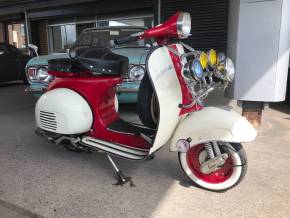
[(38, 179)]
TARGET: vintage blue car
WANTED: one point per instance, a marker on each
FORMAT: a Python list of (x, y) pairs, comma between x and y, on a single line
[(38, 77)]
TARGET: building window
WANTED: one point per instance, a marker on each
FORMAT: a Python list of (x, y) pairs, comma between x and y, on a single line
[(62, 37), (2, 32), (16, 35), (140, 22), (82, 26)]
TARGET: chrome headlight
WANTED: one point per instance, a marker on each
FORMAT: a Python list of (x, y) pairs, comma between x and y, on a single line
[(221, 58), (212, 57), (194, 69), (136, 72), (183, 25), (42, 75), (230, 69)]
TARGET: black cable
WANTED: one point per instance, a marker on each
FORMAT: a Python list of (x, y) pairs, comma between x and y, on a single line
[(228, 147)]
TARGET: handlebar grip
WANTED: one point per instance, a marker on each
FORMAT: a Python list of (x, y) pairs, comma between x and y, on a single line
[(126, 39)]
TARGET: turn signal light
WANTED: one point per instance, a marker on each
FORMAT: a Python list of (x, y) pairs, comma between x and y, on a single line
[(183, 145)]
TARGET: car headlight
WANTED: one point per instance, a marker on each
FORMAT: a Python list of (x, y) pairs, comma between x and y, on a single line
[(42, 75), (136, 72), (194, 69), (221, 58), (183, 25)]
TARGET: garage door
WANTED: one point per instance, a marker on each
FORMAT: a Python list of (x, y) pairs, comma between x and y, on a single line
[(209, 21)]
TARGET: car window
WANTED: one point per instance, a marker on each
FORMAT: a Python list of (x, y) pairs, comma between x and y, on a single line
[(104, 37), (2, 49), (12, 50)]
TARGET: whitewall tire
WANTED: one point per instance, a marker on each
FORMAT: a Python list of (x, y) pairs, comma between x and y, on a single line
[(230, 174)]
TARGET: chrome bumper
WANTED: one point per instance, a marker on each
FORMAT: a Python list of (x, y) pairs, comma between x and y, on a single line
[(35, 90), (119, 90), (126, 90)]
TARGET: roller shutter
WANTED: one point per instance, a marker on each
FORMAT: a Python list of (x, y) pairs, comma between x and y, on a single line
[(209, 21)]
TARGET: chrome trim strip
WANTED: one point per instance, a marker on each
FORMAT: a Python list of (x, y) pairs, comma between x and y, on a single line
[(126, 149), (126, 90), (35, 90)]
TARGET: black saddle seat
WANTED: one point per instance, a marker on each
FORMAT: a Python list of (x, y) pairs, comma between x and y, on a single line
[(65, 65), (100, 61), (103, 61)]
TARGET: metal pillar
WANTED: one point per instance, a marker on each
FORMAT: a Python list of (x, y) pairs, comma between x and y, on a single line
[(159, 12), (27, 29)]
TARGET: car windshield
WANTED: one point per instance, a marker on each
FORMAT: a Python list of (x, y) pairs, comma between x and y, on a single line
[(105, 37)]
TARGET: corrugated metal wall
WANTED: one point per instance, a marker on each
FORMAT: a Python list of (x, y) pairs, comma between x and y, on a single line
[(209, 21)]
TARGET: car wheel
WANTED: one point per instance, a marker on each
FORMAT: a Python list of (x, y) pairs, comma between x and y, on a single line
[(147, 105)]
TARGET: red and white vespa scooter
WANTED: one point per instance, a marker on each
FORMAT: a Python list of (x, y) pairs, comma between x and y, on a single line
[(80, 107)]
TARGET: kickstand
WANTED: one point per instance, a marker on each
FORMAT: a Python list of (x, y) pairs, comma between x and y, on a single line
[(121, 178)]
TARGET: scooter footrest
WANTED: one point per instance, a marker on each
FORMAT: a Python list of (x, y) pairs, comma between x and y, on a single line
[(116, 149)]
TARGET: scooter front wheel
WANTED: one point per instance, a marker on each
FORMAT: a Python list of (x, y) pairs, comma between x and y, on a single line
[(225, 177)]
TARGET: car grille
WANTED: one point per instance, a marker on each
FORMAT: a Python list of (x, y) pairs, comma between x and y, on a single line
[(48, 120)]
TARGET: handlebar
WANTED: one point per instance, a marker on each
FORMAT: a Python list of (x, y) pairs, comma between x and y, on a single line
[(125, 39), (199, 96)]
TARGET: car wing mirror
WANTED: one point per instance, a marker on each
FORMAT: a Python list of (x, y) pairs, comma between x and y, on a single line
[(34, 48), (1, 52)]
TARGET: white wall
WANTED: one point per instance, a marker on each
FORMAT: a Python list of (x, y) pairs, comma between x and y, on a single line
[(259, 42)]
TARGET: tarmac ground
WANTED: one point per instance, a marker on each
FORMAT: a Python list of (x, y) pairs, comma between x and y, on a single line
[(38, 179)]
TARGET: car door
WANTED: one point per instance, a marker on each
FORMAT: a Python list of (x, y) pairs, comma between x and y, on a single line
[(9, 63), (14, 61), (3, 67)]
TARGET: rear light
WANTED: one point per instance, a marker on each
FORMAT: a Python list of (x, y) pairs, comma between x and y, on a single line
[(183, 145), (31, 73)]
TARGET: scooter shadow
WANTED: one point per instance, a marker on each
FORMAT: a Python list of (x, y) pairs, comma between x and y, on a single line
[(10, 84)]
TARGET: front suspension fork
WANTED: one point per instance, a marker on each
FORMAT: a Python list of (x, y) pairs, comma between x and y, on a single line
[(216, 158), (212, 149)]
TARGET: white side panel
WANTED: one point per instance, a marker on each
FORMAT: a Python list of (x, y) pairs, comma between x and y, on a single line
[(214, 124), (259, 38), (283, 55), (168, 90), (258, 42), (63, 111)]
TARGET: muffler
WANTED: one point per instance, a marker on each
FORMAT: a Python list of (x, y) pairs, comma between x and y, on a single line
[(56, 138)]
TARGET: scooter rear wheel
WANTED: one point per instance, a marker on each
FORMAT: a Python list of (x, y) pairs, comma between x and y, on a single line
[(228, 176)]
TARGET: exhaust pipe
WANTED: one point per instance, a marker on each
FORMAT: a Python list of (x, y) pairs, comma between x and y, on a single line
[(56, 138)]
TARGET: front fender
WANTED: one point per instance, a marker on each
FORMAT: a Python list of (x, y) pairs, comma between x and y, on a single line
[(214, 124)]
